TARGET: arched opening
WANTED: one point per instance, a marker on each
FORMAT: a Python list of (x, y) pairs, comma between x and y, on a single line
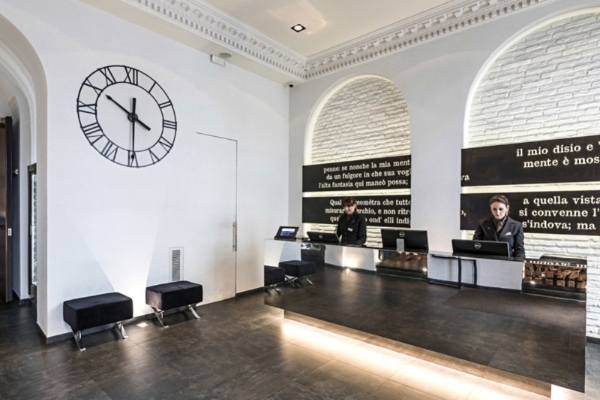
[(362, 117), (542, 85), (23, 89)]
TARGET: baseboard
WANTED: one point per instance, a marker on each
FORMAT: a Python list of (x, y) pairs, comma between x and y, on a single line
[(251, 291), (594, 340)]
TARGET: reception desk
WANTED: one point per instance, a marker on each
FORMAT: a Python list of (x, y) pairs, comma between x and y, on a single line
[(488, 272), (493, 324), (436, 266)]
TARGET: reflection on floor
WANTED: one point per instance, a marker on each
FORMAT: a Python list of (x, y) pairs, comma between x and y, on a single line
[(240, 349), (533, 336)]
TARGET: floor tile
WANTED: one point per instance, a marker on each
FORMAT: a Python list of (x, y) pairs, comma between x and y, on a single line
[(382, 362), (395, 391), (291, 361), (485, 390), (325, 343), (436, 380), (342, 381)]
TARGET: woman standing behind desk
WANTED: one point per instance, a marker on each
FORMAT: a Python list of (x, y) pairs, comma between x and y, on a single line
[(502, 228), (352, 227)]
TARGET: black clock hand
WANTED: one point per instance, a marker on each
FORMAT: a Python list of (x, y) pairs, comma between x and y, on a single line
[(120, 106), (130, 116), (133, 119), (141, 123)]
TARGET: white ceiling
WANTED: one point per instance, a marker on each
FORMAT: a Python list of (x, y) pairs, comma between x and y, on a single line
[(328, 22), (340, 33)]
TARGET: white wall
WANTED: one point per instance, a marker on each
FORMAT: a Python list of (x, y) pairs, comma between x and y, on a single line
[(103, 219), (435, 78), (4, 107)]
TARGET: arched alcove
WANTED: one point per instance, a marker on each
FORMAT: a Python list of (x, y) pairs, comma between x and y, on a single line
[(543, 85), (362, 117)]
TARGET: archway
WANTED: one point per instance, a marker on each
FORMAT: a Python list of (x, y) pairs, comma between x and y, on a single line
[(25, 89)]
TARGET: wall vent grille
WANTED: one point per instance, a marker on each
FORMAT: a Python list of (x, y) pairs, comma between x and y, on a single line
[(176, 263)]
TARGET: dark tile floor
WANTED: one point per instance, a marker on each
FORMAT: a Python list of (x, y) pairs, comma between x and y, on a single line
[(549, 349), (241, 349)]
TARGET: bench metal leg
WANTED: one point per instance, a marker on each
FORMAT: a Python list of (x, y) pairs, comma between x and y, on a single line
[(193, 311), (78, 340), (159, 316), (308, 280), (292, 281), (122, 330)]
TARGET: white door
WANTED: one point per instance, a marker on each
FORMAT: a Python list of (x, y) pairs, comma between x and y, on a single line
[(215, 181)]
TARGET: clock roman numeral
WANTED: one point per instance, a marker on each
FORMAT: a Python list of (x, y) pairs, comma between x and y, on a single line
[(91, 129), (86, 108), (132, 159), (110, 78), (96, 89), (132, 75), (170, 124), (154, 157), (165, 143), (165, 104), (110, 151)]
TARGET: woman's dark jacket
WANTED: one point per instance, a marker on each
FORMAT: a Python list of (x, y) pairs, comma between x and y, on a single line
[(512, 233), (352, 230)]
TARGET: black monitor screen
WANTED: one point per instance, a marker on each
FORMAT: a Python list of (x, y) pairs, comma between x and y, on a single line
[(413, 240), (287, 232), (323, 237), (481, 247)]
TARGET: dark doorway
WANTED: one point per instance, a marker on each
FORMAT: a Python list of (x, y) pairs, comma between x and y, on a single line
[(9, 201)]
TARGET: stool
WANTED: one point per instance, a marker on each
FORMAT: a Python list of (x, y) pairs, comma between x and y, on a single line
[(92, 311), (273, 277), (173, 295), (296, 270)]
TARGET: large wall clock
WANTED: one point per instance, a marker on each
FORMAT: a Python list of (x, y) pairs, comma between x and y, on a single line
[(126, 116)]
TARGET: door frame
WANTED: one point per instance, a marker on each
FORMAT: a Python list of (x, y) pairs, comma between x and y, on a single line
[(235, 222), (31, 170)]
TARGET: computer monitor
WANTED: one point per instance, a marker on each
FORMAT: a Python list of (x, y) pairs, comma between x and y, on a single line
[(480, 248), (286, 233), (323, 237), (415, 241)]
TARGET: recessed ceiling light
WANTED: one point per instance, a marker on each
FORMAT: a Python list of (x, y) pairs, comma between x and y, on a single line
[(298, 28), (225, 55)]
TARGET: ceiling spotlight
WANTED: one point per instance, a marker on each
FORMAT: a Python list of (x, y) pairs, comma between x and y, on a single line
[(298, 28)]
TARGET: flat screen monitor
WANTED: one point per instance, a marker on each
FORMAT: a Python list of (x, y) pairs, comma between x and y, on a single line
[(415, 241), (323, 237), (481, 248), (287, 233)]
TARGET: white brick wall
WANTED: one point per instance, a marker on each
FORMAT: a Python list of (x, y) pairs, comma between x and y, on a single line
[(366, 118), (546, 85)]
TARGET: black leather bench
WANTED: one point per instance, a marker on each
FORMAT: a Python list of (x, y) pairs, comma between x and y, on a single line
[(171, 295), (296, 270), (273, 277), (92, 311)]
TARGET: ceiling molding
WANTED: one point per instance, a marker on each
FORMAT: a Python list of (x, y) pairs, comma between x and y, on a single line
[(219, 27), (439, 21), (216, 26)]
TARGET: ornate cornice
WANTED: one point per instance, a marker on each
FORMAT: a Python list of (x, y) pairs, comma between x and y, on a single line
[(216, 26), (439, 21)]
